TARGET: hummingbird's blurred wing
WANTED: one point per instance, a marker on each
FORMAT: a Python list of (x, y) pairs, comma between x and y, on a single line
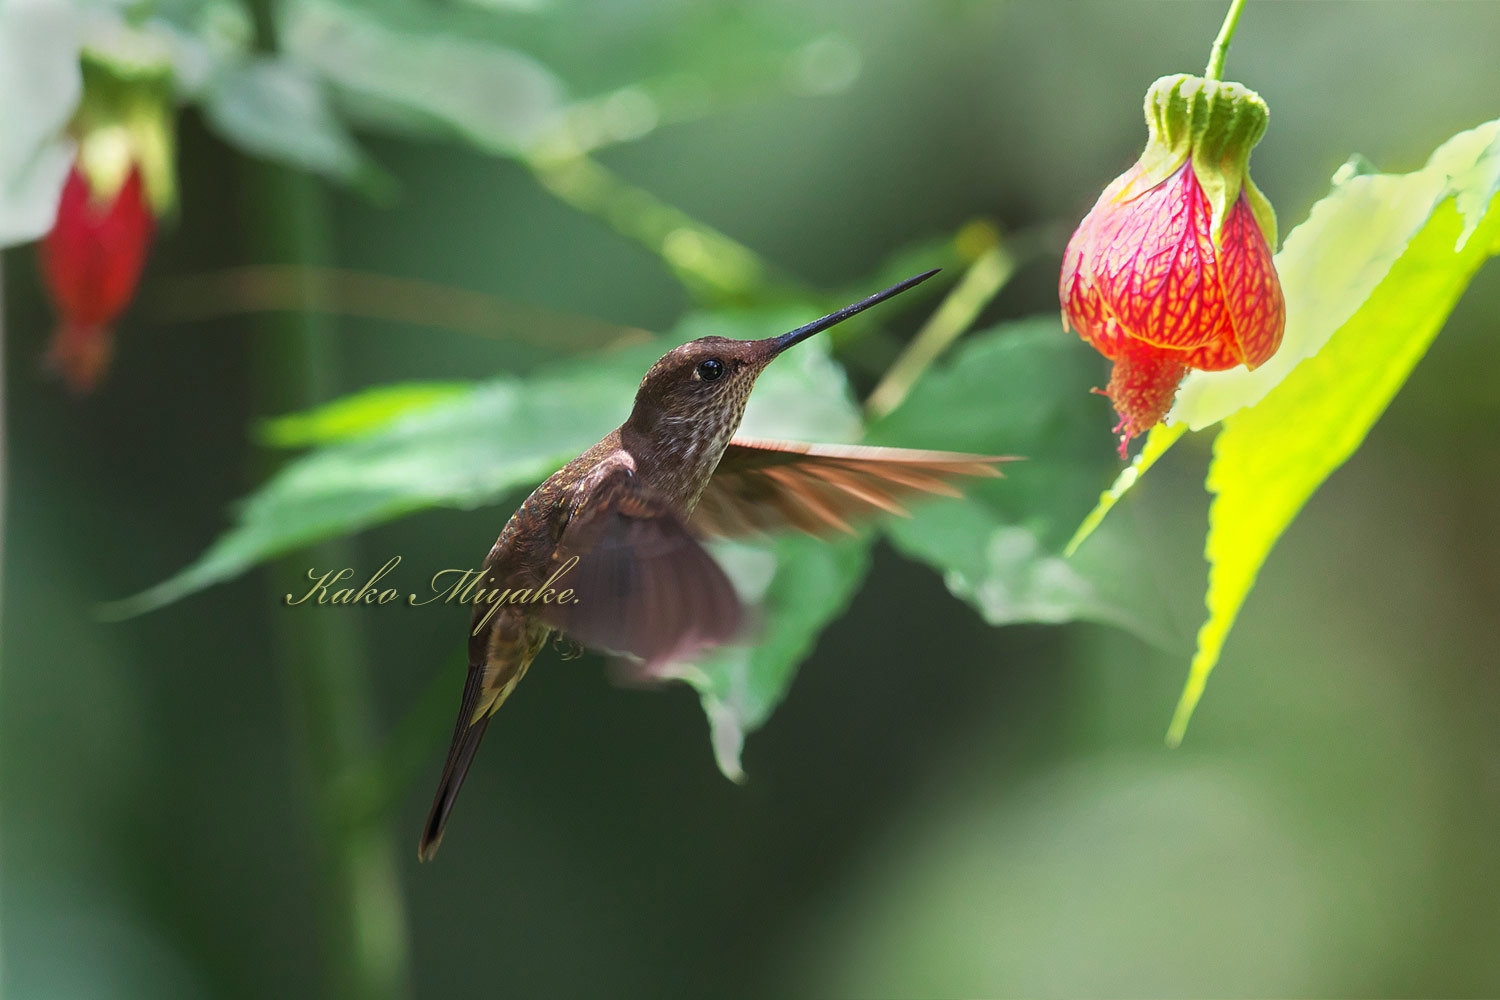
[(763, 485), (643, 584)]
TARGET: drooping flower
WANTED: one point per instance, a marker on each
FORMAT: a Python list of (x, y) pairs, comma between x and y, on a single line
[(1171, 269), (91, 262), (120, 183)]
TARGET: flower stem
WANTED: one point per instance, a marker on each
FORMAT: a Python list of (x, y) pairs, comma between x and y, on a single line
[(713, 267), (981, 282), (373, 792), (326, 677), (3, 480), (1215, 70), (325, 672)]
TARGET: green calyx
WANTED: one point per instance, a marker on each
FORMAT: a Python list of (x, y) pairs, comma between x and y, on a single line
[(1215, 124), (126, 119)]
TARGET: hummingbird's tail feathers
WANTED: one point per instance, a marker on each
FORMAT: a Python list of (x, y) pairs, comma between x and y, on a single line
[(466, 739), (500, 651)]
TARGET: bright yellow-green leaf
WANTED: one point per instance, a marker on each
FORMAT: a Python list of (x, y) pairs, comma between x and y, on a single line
[(1161, 438), (1270, 458), (353, 416), (1332, 263)]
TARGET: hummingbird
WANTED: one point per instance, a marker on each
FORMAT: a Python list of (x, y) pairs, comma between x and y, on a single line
[(627, 519)]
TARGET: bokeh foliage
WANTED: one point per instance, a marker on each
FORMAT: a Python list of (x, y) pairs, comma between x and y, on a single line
[(986, 786)]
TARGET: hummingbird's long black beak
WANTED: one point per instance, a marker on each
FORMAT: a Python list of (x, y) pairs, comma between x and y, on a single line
[(778, 344)]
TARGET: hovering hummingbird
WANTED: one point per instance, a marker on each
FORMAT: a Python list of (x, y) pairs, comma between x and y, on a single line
[(625, 521)]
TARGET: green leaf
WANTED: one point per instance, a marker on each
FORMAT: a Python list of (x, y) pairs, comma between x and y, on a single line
[(473, 448), (357, 415), (799, 584), (275, 109), (1003, 571), (464, 452), (1022, 389), (1271, 458), (494, 97), (1332, 263), (203, 37), (1161, 438)]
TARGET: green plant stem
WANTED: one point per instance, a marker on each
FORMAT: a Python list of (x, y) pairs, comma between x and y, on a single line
[(4, 485), (981, 283), (325, 678), (715, 268), (326, 681), (1215, 70), (375, 790)]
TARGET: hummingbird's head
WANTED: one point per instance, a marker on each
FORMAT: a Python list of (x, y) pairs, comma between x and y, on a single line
[(700, 379), (707, 381)]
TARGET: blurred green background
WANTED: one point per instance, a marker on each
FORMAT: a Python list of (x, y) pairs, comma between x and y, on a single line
[(939, 808)]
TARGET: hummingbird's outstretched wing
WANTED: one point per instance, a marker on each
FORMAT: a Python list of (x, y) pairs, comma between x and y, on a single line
[(763, 485), (643, 584)]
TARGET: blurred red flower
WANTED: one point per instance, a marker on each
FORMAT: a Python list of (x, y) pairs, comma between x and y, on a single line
[(91, 262)]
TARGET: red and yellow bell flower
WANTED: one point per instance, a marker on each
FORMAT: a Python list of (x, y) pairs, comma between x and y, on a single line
[(1171, 269), (120, 183)]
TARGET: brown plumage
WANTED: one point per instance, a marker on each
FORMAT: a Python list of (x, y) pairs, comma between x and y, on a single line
[(632, 509)]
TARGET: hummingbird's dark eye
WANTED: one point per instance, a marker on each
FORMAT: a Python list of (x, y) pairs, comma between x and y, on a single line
[(711, 370)]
